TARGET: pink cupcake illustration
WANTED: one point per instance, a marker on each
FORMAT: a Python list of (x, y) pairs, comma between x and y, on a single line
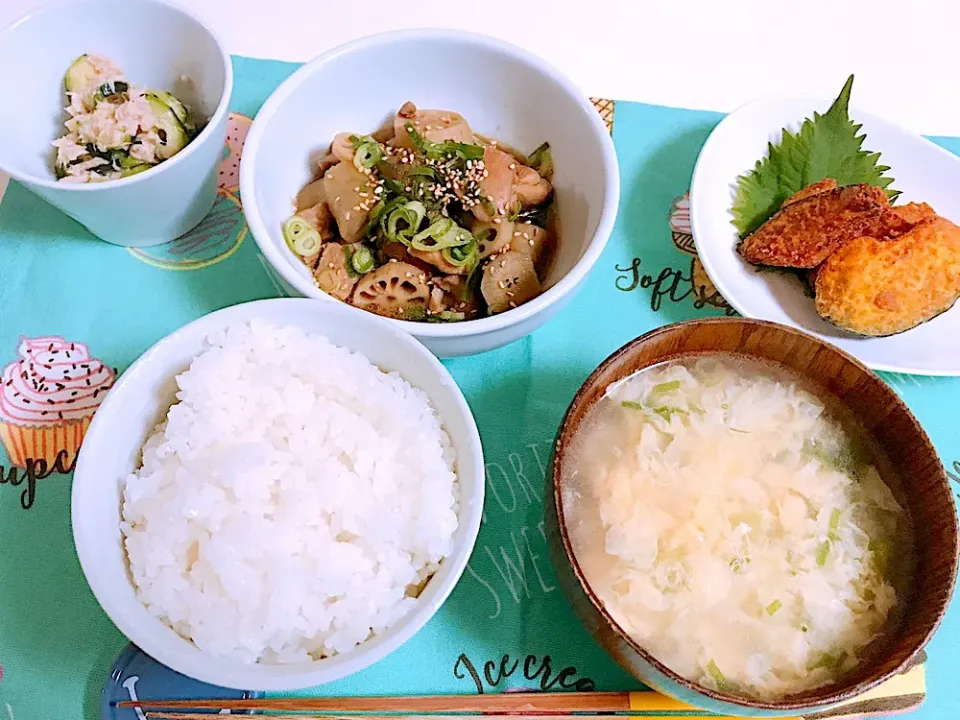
[(47, 400), (703, 288)]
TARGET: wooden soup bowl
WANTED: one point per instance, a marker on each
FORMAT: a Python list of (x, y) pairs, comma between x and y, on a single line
[(925, 494)]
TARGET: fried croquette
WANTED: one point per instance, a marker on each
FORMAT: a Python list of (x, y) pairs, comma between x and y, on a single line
[(818, 188), (804, 233), (883, 287)]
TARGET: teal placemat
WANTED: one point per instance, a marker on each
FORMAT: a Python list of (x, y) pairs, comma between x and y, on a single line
[(56, 645)]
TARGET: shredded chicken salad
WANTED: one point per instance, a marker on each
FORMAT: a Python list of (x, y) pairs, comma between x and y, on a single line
[(116, 129)]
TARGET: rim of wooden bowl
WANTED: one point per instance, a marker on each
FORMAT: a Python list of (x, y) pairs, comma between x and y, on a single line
[(830, 368)]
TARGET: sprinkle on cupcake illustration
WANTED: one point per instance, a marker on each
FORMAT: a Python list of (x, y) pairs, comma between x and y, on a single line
[(48, 398), (224, 229), (703, 288)]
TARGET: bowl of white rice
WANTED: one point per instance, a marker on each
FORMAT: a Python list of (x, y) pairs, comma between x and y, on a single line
[(749, 520), (278, 495)]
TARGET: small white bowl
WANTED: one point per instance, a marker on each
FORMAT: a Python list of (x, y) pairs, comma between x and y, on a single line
[(504, 92), (141, 398), (159, 46)]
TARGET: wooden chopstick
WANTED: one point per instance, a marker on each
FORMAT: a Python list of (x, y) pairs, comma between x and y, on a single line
[(534, 703), (154, 715)]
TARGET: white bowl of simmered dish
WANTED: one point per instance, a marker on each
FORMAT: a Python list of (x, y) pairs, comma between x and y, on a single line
[(749, 520), (122, 129), (465, 198), (278, 495)]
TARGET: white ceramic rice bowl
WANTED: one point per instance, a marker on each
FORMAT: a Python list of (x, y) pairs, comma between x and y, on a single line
[(504, 92), (141, 398)]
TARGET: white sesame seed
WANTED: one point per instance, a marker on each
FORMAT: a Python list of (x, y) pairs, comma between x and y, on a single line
[(356, 189), (501, 285), (378, 189), (516, 234), (512, 166), (356, 207), (346, 216), (531, 243)]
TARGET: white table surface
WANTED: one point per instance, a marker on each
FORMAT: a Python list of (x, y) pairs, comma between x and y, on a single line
[(705, 54)]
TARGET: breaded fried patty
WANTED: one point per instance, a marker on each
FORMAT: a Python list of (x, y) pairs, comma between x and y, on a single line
[(883, 287), (805, 232)]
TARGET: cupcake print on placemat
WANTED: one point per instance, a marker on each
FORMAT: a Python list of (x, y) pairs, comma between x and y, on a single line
[(703, 287), (47, 400), (224, 229)]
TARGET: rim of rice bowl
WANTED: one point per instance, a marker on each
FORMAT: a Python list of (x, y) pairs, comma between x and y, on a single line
[(141, 398)]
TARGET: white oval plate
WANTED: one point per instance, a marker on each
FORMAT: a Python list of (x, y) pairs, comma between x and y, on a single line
[(922, 170)]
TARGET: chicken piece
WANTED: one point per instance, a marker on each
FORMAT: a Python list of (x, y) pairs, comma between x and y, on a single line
[(883, 287), (509, 280), (395, 290), (398, 251), (531, 189), (331, 273), (804, 233), (491, 237), (818, 188), (345, 188), (498, 189), (436, 258), (341, 147), (533, 241), (915, 213), (451, 294), (434, 125)]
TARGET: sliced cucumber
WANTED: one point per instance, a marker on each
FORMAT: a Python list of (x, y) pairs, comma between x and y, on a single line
[(127, 172), (124, 161), (80, 74), (173, 135), (176, 106)]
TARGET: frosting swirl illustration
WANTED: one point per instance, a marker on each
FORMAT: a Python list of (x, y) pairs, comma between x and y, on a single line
[(48, 397)]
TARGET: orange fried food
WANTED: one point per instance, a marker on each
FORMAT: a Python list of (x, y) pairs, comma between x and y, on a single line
[(914, 213), (818, 188), (805, 232), (883, 287)]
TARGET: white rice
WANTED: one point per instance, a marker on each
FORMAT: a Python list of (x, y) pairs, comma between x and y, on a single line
[(293, 502)]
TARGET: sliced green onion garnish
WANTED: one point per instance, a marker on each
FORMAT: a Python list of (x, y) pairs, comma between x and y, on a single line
[(443, 233), (362, 260), (403, 221), (666, 387), (773, 607), (301, 237), (448, 316), (834, 523), (541, 160), (822, 551), (422, 170), (631, 405), (367, 153), (462, 255), (441, 151)]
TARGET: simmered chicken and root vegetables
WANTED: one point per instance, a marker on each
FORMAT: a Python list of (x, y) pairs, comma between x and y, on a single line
[(426, 220)]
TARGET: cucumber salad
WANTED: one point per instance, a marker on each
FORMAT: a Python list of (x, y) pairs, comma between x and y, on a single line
[(116, 129)]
